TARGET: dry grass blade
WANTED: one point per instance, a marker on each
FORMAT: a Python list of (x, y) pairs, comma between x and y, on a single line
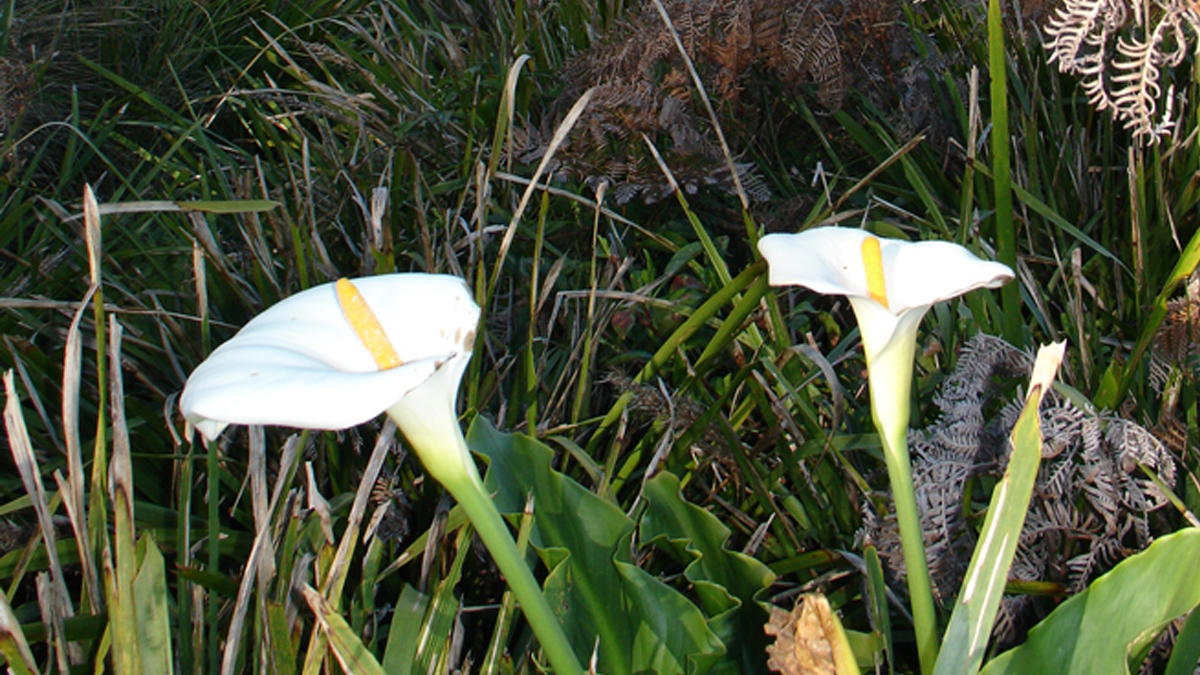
[(261, 563), (205, 236), (874, 173), (13, 644), (318, 504), (123, 611), (560, 135), (91, 230), (332, 588), (18, 441), (347, 649), (258, 486), (52, 620), (34, 398), (72, 492), (508, 108)]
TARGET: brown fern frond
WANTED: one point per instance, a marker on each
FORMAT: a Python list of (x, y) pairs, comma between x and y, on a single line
[(643, 86), (679, 412), (16, 84)]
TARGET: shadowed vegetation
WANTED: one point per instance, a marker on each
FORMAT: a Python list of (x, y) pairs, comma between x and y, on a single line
[(699, 446)]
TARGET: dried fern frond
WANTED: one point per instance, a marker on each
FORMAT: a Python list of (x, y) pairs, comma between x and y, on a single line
[(1175, 348), (678, 411), (1120, 49), (1091, 502), (642, 86), (16, 84)]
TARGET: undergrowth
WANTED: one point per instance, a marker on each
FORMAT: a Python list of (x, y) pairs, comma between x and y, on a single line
[(241, 152)]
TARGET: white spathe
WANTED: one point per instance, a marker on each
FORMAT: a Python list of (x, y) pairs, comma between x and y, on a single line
[(829, 260), (301, 364)]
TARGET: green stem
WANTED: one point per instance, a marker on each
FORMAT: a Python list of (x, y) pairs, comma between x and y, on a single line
[(214, 553), (427, 419), (912, 541), (494, 532), (889, 343), (1006, 237)]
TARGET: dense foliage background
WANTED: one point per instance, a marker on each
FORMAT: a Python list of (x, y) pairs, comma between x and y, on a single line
[(718, 429)]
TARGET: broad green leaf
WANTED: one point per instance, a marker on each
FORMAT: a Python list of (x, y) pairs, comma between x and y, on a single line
[(642, 625), (1095, 631), (403, 637), (966, 637), (725, 582), (153, 616)]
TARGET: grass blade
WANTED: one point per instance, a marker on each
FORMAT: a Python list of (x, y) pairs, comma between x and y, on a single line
[(122, 607), (154, 632), (18, 440), (72, 488), (966, 637), (12, 641), (1006, 238), (349, 650)]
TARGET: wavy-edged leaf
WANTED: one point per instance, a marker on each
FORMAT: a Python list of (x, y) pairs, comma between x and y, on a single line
[(640, 623), (725, 582), (1094, 631)]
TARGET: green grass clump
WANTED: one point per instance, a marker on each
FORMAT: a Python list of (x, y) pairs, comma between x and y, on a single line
[(241, 152)]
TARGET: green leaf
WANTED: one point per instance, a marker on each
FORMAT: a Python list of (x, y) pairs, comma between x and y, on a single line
[(725, 582), (641, 624), (1186, 653), (405, 633), (153, 616), (228, 205), (878, 607), (351, 653), (966, 637), (1094, 632), (283, 657)]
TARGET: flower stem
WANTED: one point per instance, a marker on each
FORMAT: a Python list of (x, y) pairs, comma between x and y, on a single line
[(912, 542), (494, 532)]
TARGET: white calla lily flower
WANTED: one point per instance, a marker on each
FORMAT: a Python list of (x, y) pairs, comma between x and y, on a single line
[(303, 364), (339, 354), (891, 284)]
